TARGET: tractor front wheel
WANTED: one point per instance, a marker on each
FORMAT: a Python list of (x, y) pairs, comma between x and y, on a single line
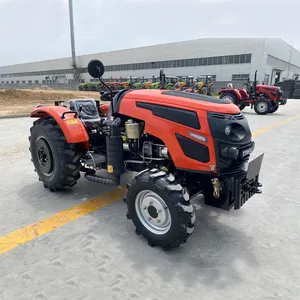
[(56, 162), (242, 106), (160, 209), (274, 107), (262, 106)]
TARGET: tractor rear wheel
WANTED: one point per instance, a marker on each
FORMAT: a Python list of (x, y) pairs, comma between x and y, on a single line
[(211, 90), (262, 106), (229, 97), (56, 162), (203, 90), (160, 209)]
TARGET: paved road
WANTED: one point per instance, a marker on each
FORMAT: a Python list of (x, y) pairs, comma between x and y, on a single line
[(248, 254)]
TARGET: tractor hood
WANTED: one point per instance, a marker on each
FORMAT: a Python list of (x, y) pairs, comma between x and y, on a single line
[(269, 87), (178, 99)]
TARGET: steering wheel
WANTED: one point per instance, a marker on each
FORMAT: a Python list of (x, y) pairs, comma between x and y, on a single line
[(107, 95)]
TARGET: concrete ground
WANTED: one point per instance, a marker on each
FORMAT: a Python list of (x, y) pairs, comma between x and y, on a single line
[(251, 254)]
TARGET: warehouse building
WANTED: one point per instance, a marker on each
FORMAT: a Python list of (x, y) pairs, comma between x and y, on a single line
[(226, 59)]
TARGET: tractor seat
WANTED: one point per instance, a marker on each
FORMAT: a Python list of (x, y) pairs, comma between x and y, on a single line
[(87, 111)]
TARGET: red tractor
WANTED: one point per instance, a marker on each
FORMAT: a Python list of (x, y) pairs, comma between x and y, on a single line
[(263, 98), (180, 144)]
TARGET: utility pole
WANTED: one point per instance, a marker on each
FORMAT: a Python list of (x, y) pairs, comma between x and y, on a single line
[(290, 59), (74, 65)]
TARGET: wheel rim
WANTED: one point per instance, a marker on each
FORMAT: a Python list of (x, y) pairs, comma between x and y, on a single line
[(262, 107), (44, 156), (228, 99), (153, 212)]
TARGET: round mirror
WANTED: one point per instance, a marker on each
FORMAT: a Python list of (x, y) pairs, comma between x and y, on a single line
[(96, 68)]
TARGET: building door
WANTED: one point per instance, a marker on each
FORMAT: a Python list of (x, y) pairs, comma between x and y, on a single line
[(275, 76), (61, 79), (267, 78)]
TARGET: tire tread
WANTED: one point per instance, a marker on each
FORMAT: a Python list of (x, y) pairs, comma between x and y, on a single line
[(68, 157)]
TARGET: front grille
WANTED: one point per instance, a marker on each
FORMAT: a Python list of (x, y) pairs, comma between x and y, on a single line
[(229, 117)]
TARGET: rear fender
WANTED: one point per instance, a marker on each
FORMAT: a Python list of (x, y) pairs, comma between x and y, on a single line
[(244, 93), (232, 91), (72, 127)]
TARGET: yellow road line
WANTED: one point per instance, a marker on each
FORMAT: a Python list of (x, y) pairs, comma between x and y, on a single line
[(278, 124), (32, 231)]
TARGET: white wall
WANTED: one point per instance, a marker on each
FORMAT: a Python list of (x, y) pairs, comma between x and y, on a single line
[(260, 49), (189, 49), (55, 64), (281, 55), (33, 78)]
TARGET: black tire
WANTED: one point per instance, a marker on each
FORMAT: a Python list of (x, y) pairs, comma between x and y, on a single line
[(62, 168), (274, 107), (262, 106), (176, 199), (296, 93), (230, 96), (203, 90), (297, 84), (211, 90)]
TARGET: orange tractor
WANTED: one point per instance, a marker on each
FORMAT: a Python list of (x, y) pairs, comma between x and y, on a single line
[(204, 148)]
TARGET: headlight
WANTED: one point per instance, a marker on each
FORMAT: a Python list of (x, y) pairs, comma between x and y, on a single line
[(228, 130), (235, 131), (230, 153)]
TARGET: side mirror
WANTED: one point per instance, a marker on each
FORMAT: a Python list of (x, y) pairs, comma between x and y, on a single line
[(96, 68)]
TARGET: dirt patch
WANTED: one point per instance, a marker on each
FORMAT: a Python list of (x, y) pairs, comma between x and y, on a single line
[(14, 101)]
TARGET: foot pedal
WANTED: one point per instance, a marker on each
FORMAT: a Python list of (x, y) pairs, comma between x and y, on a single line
[(95, 160)]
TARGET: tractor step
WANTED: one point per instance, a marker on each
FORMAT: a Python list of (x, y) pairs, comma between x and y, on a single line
[(95, 160)]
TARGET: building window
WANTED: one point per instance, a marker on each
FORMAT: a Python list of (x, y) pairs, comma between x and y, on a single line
[(240, 77), (248, 58), (224, 60), (29, 81), (179, 63), (36, 82), (236, 59), (242, 59)]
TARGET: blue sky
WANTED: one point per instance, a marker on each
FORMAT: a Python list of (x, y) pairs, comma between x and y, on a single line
[(32, 30)]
